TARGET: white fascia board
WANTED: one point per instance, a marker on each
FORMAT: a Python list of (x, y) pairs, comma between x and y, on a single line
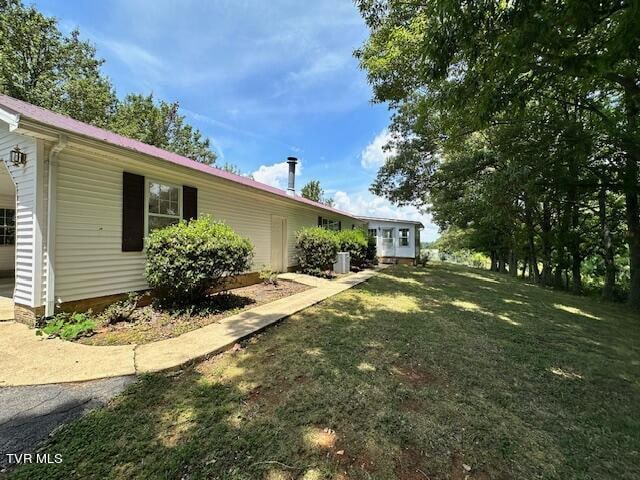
[(11, 119)]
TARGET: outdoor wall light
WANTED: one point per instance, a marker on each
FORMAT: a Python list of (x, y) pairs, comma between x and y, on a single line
[(18, 157)]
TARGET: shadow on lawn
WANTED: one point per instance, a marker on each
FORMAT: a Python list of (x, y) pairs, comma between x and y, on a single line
[(419, 373)]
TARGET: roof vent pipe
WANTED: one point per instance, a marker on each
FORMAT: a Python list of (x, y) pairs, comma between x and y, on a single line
[(291, 188)]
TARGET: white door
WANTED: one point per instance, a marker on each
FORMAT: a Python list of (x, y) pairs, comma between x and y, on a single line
[(388, 249), (278, 243)]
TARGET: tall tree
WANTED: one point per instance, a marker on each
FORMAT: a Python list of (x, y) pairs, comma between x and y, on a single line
[(451, 68), (313, 191), (43, 66), (159, 123)]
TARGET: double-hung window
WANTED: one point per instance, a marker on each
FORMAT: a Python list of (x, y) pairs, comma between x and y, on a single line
[(7, 226), (164, 205), (404, 237)]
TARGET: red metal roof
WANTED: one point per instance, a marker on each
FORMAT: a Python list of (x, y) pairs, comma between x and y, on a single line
[(68, 124)]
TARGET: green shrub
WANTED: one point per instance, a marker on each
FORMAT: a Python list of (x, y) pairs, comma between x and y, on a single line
[(372, 250), (355, 242), (317, 249), (68, 326), (185, 260), (423, 258)]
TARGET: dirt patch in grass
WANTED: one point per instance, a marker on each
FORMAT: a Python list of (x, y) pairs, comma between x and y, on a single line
[(409, 465), (151, 324), (415, 375)]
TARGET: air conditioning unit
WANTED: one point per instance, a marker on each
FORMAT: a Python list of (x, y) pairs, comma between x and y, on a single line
[(343, 263)]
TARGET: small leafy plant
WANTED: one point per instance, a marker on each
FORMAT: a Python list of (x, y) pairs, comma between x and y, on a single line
[(121, 311), (68, 326), (268, 276), (423, 258)]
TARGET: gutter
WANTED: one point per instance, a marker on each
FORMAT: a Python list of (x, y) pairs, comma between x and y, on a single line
[(50, 299)]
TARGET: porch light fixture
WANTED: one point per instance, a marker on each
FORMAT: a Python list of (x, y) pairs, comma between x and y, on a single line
[(18, 157)]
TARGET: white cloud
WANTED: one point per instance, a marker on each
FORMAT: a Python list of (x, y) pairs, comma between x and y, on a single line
[(374, 155), (369, 205), (275, 175)]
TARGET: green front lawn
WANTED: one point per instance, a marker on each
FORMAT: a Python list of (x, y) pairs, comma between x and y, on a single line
[(443, 372)]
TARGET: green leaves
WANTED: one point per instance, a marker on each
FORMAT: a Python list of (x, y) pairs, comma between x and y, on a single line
[(185, 260), (68, 326), (316, 249), (43, 66)]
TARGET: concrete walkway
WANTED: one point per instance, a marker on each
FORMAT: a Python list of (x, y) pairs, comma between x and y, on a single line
[(26, 359)]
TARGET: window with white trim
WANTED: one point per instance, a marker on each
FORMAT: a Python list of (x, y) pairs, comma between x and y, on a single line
[(373, 233), (7, 226), (404, 237), (164, 205), (387, 236)]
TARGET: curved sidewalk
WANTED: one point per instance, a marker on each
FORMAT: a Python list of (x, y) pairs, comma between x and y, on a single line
[(26, 359)]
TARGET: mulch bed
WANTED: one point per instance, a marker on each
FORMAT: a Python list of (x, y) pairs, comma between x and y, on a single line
[(151, 324)]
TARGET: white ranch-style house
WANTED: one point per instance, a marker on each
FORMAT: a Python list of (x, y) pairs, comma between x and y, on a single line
[(76, 202)]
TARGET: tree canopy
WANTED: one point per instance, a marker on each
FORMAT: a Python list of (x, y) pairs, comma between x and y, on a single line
[(313, 191), (517, 122), (43, 66)]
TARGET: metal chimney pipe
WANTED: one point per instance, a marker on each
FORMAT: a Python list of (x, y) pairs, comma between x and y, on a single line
[(291, 188)]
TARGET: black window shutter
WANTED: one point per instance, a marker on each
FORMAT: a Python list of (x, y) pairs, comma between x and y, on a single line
[(319, 221), (189, 203), (132, 212), (339, 225)]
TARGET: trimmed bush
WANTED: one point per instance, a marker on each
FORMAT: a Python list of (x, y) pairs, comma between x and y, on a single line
[(355, 242), (317, 249), (185, 260)]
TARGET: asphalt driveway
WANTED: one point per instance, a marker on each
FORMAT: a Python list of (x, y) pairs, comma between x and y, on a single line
[(29, 414)]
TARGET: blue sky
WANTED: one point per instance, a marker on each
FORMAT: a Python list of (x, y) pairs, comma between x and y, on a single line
[(262, 80)]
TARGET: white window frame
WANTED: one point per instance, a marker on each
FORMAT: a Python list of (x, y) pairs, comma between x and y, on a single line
[(387, 240), (147, 182), (402, 237)]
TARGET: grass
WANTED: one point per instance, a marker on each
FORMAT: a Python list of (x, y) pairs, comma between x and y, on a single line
[(443, 372)]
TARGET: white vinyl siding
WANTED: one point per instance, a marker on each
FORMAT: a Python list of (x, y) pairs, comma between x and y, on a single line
[(29, 219), (89, 260), (389, 237)]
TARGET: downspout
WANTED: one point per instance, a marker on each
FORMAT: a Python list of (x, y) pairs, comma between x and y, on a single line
[(50, 303)]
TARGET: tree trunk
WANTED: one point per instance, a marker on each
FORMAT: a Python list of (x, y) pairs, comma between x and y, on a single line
[(547, 273), (513, 264), (503, 262), (531, 243), (494, 261), (607, 247), (630, 185), (557, 281), (576, 254), (524, 267)]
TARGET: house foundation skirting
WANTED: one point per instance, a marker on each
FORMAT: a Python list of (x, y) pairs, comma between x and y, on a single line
[(27, 315), (30, 315), (397, 260)]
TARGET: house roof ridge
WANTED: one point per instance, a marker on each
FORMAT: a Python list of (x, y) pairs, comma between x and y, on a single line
[(69, 124)]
